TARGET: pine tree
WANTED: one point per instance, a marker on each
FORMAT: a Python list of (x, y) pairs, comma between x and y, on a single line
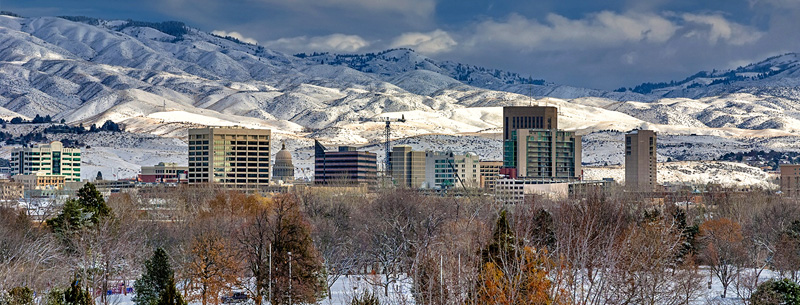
[(503, 241), (170, 295), (75, 295), (84, 211), (20, 296), (155, 280)]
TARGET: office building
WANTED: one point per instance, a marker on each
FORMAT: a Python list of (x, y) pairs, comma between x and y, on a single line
[(346, 166), (790, 180), (490, 172), (232, 157), (51, 159), (516, 191), (447, 170), (40, 181), (543, 153), (284, 168), (641, 160), (164, 172), (408, 167), (528, 117)]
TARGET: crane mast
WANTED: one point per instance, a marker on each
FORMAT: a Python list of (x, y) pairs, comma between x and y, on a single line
[(387, 138)]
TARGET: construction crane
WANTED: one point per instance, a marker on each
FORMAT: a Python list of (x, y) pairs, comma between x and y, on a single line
[(387, 133)]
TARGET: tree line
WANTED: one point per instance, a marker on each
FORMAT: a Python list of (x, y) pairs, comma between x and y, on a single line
[(202, 244)]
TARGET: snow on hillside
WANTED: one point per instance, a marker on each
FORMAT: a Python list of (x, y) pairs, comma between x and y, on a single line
[(161, 78), (728, 174)]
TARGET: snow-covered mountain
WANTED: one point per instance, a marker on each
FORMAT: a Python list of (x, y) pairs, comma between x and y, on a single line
[(160, 78)]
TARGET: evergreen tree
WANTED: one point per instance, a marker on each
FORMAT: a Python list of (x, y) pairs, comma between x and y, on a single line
[(170, 295), (84, 211), (20, 296), (54, 297), (503, 241), (157, 278), (544, 235), (784, 291), (75, 295)]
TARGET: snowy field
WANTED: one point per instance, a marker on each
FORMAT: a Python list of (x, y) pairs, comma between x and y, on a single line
[(346, 287)]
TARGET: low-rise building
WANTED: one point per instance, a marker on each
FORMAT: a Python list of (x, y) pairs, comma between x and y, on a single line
[(164, 172), (514, 191)]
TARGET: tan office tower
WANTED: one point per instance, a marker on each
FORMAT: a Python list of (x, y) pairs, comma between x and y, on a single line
[(790, 180), (528, 117), (640, 160), (233, 157), (490, 172), (408, 166)]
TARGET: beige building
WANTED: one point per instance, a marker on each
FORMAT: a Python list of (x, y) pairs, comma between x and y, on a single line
[(790, 180), (641, 165), (490, 172), (40, 181), (233, 157), (447, 170), (408, 167), (10, 190), (528, 117), (48, 159)]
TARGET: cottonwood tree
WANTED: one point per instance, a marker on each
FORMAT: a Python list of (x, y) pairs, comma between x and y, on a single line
[(587, 235), (213, 267), (291, 233), (649, 250), (723, 250), (331, 216)]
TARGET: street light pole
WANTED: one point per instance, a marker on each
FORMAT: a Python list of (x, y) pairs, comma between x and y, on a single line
[(290, 278)]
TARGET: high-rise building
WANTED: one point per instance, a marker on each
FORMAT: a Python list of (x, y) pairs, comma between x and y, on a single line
[(641, 160), (790, 180), (284, 168), (233, 157), (48, 159), (490, 172), (408, 166), (528, 117), (543, 153), (447, 169), (346, 166)]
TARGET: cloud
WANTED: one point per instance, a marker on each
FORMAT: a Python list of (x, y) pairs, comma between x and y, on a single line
[(608, 30), (718, 28), (236, 35), (328, 43), (427, 43)]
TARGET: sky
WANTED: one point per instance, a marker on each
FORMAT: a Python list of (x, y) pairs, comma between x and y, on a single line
[(596, 44)]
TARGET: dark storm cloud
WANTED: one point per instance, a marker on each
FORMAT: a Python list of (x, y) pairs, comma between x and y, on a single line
[(599, 44)]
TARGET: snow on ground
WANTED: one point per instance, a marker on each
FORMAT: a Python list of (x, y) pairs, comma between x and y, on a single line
[(346, 287), (727, 174)]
